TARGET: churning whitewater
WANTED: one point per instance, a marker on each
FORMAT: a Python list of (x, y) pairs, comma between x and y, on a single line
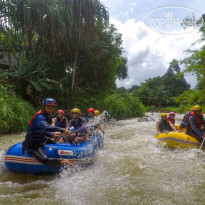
[(132, 168)]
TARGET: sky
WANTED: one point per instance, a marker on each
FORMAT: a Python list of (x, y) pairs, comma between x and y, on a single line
[(149, 50)]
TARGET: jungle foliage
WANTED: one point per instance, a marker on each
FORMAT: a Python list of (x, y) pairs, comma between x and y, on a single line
[(59, 49), (14, 113), (62, 49)]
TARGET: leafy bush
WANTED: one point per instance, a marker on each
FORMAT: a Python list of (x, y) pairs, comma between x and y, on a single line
[(190, 98), (122, 106), (14, 113)]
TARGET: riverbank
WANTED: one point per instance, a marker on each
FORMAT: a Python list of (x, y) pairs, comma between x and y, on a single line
[(180, 109)]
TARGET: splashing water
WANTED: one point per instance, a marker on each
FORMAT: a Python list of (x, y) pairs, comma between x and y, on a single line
[(132, 168), (98, 119)]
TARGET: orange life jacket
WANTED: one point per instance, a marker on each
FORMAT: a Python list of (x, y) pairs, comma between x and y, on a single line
[(199, 120), (39, 112)]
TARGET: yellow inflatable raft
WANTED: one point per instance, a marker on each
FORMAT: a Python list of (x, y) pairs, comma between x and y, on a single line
[(177, 139)]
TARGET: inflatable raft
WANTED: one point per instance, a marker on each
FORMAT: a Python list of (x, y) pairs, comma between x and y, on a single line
[(83, 154), (177, 139)]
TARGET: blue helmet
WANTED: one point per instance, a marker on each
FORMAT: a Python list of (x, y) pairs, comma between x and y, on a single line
[(49, 101)]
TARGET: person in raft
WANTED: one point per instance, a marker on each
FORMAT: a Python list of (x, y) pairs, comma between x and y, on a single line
[(163, 125), (195, 123), (183, 122), (76, 123), (90, 119), (171, 118), (97, 112), (60, 120), (40, 131)]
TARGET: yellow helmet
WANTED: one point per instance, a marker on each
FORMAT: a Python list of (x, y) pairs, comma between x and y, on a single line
[(163, 114), (97, 112), (196, 107), (75, 110)]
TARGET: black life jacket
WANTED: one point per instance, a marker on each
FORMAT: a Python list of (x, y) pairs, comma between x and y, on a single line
[(60, 123), (164, 125), (76, 123)]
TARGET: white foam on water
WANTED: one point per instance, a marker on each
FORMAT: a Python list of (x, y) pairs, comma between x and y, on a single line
[(132, 168)]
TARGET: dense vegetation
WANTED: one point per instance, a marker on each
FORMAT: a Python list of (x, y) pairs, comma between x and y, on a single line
[(62, 49), (14, 113), (123, 105)]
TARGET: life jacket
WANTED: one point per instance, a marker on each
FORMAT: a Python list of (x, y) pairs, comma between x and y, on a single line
[(60, 123), (76, 123), (171, 120), (199, 120), (32, 138), (30, 121), (164, 125), (48, 117)]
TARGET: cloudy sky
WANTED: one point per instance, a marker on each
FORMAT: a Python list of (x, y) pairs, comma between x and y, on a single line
[(150, 52)]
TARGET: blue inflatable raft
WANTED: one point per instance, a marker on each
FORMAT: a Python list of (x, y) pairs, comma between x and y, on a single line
[(83, 154)]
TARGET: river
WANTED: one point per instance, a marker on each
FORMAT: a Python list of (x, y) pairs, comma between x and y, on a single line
[(132, 168)]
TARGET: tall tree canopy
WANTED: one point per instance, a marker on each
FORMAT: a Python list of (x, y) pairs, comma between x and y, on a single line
[(60, 48)]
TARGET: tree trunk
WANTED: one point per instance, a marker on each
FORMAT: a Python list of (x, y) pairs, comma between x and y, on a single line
[(74, 70), (74, 73)]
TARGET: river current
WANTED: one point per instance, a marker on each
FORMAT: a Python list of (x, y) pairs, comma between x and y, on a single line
[(132, 168)]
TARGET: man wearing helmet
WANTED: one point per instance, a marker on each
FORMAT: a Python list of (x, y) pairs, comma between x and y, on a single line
[(60, 120), (195, 123), (76, 123), (163, 125), (40, 131)]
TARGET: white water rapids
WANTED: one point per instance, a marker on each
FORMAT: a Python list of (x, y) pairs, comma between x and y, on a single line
[(132, 168)]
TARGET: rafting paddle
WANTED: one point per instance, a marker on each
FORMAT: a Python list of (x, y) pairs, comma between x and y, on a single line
[(202, 143)]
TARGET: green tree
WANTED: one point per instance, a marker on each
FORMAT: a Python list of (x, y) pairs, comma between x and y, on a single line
[(122, 71), (67, 41), (160, 91)]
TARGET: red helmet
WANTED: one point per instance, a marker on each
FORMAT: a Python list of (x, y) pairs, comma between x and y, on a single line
[(91, 110), (172, 113), (60, 111)]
